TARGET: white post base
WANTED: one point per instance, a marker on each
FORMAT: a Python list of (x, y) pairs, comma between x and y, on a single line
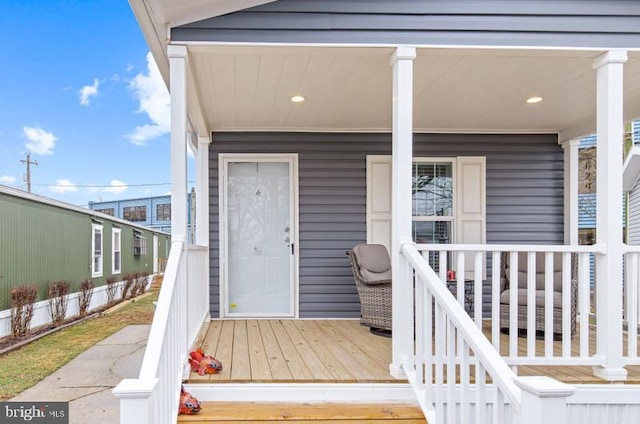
[(544, 400), (136, 400), (397, 372), (610, 374)]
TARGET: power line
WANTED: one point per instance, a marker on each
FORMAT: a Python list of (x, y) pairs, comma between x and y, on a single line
[(104, 185)]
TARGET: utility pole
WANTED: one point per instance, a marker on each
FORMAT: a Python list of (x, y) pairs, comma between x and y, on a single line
[(27, 176)]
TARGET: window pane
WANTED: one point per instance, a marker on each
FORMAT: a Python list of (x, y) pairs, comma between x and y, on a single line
[(432, 189), (135, 213), (432, 232)]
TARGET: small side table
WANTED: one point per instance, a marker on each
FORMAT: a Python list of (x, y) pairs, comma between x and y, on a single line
[(452, 285)]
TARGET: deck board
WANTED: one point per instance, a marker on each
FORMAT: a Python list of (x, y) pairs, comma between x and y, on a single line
[(277, 362), (331, 413), (340, 351), (260, 370), (314, 364), (295, 361), (338, 372), (240, 361)]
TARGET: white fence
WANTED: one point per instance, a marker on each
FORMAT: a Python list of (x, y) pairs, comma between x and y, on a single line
[(480, 269), (42, 312), (181, 309), (457, 375)]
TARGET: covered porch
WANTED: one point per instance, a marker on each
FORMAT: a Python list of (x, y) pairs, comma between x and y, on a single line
[(477, 90)]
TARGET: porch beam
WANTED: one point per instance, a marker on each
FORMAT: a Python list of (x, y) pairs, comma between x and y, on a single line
[(609, 77), (202, 192), (571, 177), (402, 151), (178, 90)]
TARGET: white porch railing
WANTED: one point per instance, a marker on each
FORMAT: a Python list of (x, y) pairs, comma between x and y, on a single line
[(481, 267), (632, 302), (457, 375), (180, 311)]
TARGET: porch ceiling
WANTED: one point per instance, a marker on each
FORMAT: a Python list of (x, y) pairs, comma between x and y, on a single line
[(248, 88)]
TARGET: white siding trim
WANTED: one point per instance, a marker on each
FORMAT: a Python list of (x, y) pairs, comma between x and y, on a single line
[(97, 271), (117, 248)]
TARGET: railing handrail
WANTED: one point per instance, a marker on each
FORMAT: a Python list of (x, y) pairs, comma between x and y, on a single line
[(491, 360), (157, 333), (594, 248), (628, 248)]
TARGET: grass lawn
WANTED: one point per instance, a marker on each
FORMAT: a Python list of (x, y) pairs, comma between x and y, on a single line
[(24, 367)]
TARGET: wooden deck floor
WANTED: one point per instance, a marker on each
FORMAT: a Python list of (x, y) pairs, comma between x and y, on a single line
[(334, 351), (285, 351)]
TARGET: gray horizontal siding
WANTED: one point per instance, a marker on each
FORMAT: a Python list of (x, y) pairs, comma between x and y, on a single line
[(579, 23), (524, 199)]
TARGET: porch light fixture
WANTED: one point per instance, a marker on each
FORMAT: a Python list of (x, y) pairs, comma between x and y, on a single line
[(298, 99), (534, 99)]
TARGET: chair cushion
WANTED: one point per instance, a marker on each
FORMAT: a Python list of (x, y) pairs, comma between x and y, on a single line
[(373, 261), (540, 299), (540, 277)]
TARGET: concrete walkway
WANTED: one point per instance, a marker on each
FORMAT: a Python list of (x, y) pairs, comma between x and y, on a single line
[(86, 382)]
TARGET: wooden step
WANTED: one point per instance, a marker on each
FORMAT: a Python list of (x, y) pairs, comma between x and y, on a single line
[(316, 413)]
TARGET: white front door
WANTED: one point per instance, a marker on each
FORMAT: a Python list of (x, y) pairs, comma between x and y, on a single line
[(259, 207)]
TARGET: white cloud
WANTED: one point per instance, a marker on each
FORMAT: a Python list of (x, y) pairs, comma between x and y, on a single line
[(88, 91), (7, 179), (116, 187), (149, 89), (63, 186), (39, 141)]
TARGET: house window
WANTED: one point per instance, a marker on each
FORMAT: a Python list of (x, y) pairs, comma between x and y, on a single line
[(139, 244), (96, 250), (116, 251), (106, 211), (432, 204), (135, 213), (163, 212)]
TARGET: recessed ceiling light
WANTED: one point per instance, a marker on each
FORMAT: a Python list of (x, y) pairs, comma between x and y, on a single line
[(534, 99), (298, 99)]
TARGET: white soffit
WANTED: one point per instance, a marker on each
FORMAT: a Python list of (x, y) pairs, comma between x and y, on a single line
[(248, 88)]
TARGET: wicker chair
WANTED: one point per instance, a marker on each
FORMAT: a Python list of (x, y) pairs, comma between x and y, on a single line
[(505, 294), (371, 268)]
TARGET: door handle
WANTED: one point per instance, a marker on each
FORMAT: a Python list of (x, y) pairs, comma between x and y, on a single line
[(292, 249)]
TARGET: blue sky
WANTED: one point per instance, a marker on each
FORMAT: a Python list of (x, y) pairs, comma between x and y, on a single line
[(80, 92)]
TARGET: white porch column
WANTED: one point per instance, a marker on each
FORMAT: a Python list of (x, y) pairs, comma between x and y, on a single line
[(178, 89), (571, 177), (202, 192), (402, 138), (610, 130)]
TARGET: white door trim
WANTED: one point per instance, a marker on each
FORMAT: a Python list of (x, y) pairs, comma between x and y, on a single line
[(223, 160)]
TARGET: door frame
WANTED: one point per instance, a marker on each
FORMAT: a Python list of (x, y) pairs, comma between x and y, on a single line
[(223, 160)]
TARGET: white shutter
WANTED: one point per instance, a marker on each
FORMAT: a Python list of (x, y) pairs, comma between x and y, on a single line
[(470, 219), (379, 200)]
